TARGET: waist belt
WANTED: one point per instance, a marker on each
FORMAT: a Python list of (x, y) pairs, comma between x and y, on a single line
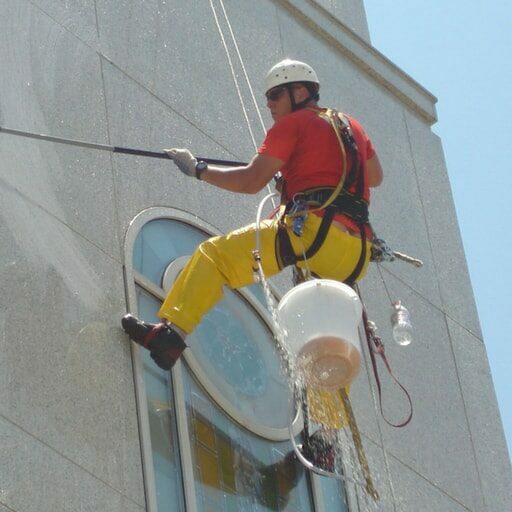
[(347, 204), (284, 250)]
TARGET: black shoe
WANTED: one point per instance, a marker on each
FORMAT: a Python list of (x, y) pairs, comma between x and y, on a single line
[(163, 342)]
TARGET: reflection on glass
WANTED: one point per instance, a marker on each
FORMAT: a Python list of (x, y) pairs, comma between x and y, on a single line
[(162, 421), (226, 344), (236, 470), (239, 355)]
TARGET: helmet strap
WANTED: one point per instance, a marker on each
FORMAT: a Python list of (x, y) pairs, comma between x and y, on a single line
[(313, 95)]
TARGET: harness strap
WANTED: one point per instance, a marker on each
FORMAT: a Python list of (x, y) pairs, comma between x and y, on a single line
[(320, 235), (333, 118), (351, 205), (337, 200), (286, 255), (284, 251), (352, 278), (376, 346)]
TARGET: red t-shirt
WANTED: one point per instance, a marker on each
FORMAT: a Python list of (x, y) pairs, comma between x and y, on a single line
[(311, 153)]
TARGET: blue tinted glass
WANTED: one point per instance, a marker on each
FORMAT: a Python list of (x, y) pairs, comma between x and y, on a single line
[(256, 290), (237, 357), (334, 496), (234, 346), (162, 422), (238, 353), (236, 470), (161, 241)]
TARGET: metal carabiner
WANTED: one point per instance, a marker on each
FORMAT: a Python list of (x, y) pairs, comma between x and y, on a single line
[(299, 213)]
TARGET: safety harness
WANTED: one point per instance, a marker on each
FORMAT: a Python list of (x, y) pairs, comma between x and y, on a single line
[(329, 199)]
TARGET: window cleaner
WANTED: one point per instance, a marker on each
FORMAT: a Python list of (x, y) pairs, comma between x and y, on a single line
[(331, 167)]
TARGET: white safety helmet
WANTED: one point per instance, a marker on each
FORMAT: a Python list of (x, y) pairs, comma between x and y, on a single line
[(288, 71)]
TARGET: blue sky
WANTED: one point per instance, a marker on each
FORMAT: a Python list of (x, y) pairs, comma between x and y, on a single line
[(461, 52)]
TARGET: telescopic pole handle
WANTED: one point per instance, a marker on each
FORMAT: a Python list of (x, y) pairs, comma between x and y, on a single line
[(113, 149), (163, 154)]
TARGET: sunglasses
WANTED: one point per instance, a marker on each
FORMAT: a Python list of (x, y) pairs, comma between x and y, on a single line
[(275, 93)]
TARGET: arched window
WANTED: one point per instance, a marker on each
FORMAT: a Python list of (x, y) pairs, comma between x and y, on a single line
[(214, 431)]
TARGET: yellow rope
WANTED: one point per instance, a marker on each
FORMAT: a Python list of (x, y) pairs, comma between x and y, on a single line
[(356, 436), (326, 408), (331, 115)]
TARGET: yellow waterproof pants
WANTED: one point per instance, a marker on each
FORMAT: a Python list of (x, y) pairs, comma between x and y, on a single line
[(228, 261)]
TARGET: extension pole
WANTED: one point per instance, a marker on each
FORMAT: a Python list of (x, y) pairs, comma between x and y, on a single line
[(113, 149)]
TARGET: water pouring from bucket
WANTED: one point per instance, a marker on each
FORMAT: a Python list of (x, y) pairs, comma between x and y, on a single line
[(321, 319)]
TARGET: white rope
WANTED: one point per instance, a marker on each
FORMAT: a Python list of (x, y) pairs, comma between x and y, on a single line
[(235, 80), (253, 97)]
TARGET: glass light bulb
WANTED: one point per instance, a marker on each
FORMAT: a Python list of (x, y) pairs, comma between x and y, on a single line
[(402, 330)]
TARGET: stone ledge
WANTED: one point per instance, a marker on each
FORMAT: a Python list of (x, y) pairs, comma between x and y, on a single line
[(365, 56)]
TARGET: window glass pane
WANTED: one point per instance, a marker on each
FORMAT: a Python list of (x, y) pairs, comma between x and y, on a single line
[(161, 241), (162, 422), (238, 353), (236, 470), (333, 494), (233, 345)]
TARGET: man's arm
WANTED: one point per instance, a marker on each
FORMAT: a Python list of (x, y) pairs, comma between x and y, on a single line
[(249, 179), (375, 173)]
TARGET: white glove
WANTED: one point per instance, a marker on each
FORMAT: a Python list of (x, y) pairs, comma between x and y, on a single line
[(184, 159)]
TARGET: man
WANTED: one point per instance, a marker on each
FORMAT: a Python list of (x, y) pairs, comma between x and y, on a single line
[(327, 164)]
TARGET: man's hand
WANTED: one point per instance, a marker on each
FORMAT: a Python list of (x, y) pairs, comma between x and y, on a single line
[(184, 159)]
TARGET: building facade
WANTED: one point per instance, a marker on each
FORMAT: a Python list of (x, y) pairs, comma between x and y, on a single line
[(87, 421)]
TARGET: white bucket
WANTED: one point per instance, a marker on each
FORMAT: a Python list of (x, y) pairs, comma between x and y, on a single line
[(321, 319)]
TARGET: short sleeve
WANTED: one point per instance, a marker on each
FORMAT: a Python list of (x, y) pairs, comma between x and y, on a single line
[(281, 139), (364, 142), (370, 150)]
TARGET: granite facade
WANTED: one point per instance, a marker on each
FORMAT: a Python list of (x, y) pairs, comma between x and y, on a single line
[(158, 74)]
